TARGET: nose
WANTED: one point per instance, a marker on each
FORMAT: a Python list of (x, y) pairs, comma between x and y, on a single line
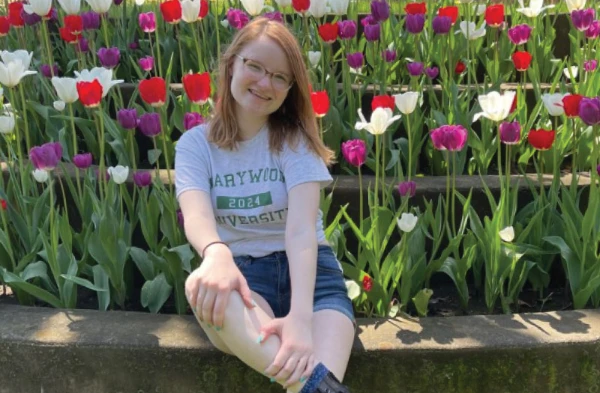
[(265, 81)]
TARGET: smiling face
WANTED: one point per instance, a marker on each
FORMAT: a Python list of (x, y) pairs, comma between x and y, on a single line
[(255, 92)]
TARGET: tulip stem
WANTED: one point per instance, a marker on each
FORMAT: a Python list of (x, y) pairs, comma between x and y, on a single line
[(409, 172), (574, 177), (360, 201), (217, 30), (105, 31), (163, 135), (101, 174), (158, 58), (180, 50), (48, 47), (24, 113), (201, 65)]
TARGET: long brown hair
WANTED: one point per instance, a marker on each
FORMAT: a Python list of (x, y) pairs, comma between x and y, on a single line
[(293, 119)]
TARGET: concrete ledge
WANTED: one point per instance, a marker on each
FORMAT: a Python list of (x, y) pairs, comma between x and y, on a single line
[(87, 351)]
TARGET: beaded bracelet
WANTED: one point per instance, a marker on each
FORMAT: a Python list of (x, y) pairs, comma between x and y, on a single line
[(208, 245)]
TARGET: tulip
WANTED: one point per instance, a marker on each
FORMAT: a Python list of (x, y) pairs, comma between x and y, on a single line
[(146, 63), (317, 9), (441, 24), (179, 217), (301, 6), (495, 106), (142, 178), (449, 137), (590, 65), (150, 124), (407, 188), (355, 152), (460, 67), (7, 124), (31, 19), (571, 72), (519, 35), (237, 18), (553, 103), (450, 11), (415, 68), (74, 23), (589, 111), (67, 35), (368, 20), (190, 9), (470, 30), (66, 89), (383, 101), (380, 10), (171, 11), (582, 19), (598, 170), (90, 93), (14, 67), (407, 102), (367, 283), (128, 118), (575, 5), (91, 20), (415, 8), (253, 7), (46, 156), (103, 75), (15, 10), (407, 222), (389, 55), (47, 71), (328, 32), (339, 7), (521, 60), (320, 102), (153, 91), (415, 23), (534, 9), (82, 45), (494, 15), (147, 22), (347, 29), (381, 119), (507, 234), (40, 175), (118, 173), (594, 30), (82, 161), (355, 60), (38, 7), (109, 57), (197, 87), (71, 7), (314, 58), (4, 25), (100, 6), (510, 132), (432, 72), (541, 139), (274, 16), (59, 105), (372, 32), (191, 120), (3, 204), (571, 104)]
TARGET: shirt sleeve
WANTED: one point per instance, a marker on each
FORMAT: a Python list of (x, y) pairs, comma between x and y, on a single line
[(301, 165), (192, 167)]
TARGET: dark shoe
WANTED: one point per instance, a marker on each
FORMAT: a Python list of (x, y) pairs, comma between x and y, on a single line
[(330, 384)]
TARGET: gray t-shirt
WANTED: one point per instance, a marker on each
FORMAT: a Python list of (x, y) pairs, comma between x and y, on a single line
[(248, 187)]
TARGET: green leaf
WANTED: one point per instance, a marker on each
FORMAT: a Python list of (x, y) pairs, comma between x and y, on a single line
[(34, 270), (143, 263), (83, 282), (41, 294), (421, 300), (571, 261), (101, 280), (153, 155), (155, 293)]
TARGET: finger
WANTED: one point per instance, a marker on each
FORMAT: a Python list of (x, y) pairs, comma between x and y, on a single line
[(191, 293), (298, 372), (246, 293), (208, 305), (288, 369), (280, 360), (219, 308), (199, 301), (310, 366), (270, 328)]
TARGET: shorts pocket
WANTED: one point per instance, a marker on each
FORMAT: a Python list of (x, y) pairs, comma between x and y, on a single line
[(242, 261), (327, 262)]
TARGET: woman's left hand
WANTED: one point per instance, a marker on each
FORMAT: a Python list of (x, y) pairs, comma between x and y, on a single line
[(295, 358)]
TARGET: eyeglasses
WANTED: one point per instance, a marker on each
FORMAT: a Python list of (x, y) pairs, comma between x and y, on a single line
[(279, 81)]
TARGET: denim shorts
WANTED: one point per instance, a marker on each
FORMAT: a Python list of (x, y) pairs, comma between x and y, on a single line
[(269, 276)]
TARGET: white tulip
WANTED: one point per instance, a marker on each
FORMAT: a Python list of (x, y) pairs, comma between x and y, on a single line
[(318, 9), (14, 66), (7, 124), (534, 9), (495, 106), (59, 105), (103, 75), (480, 9), (470, 30), (100, 6), (118, 173), (283, 3), (254, 7), (314, 58), (140, 3), (407, 222), (553, 103), (465, 1), (407, 102), (573, 5), (66, 89), (40, 175), (353, 289), (71, 7), (507, 234), (39, 7), (21, 55), (338, 7), (190, 10), (571, 72), (381, 119), (225, 23)]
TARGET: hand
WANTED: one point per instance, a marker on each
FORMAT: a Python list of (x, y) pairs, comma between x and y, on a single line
[(209, 286), (295, 358)]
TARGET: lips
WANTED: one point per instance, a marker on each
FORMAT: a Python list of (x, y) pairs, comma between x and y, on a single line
[(254, 93)]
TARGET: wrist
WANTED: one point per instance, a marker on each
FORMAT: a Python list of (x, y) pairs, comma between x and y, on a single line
[(215, 247)]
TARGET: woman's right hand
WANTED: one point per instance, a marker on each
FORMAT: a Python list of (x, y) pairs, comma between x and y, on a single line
[(208, 287)]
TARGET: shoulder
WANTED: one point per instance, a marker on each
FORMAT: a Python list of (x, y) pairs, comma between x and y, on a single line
[(194, 137)]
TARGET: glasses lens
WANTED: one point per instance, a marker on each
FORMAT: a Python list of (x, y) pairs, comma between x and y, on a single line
[(280, 82), (255, 68)]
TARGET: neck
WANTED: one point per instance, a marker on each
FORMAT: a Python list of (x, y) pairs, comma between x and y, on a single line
[(249, 125)]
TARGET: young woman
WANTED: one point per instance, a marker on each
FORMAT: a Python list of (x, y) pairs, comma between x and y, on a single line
[(270, 289)]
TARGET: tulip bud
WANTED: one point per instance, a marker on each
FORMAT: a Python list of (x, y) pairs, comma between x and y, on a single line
[(407, 222), (7, 124), (127, 118), (192, 119), (59, 105), (109, 57), (355, 152), (118, 173), (142, 179), (415, 68), (441, 24), (40, 175), (415, 23), (150, 124), (82, 161), (389, 55), (380, 10), (372, 32), (355, 60), (407, 188), (146, 63), (510, 132), (432, 72)]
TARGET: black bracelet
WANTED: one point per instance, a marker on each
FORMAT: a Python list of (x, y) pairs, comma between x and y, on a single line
[(208, 245)]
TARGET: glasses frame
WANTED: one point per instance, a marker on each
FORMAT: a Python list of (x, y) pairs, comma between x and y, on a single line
[(267, 72)]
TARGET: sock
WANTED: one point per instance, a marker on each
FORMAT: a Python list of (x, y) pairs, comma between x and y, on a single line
[(319, 372)]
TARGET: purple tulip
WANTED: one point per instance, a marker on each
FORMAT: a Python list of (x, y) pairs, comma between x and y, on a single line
[(180, 217), (441, 24), (590, 65), (146, 63), (109, 57), (415, 23), (237, 18), (275, 15), (372, 32), (355, 152), (510, 132), (142, 179), (389, 55), (594, 31), (133, 45), (47, 71), (589, 110), (380, 10), (347, 29), (582, 19), (192, 119), (432, 72), (598, 170), (91, 20), (407, 188), (368, 20), (117, 2), (451, 138), (519, 34), (53, 15), (150, 124), (355, 60), (47, 156), (127, 118), (147, 21), (415, 68), (82, 45), (82, 161), (30, 19)]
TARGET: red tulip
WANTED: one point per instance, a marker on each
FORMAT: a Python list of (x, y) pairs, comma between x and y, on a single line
[(521, 60), (74, 23), (367, 283), (415, 8), (197, 87), (494, 15), (460, 67), (90, 93), (203, 9), (154, 91), (328, 32), (67, 35), (383, 101), (541, 139), (171, 11), (4, 25), (3, 204), (301, 6), (320, 102), (571, 104), (14, 14), (450, 11)]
